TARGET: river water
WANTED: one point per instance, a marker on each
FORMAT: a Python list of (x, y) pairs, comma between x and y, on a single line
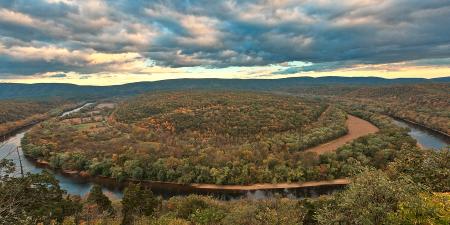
[(77, 109), (81, 186), (73, 185), (425, 137)]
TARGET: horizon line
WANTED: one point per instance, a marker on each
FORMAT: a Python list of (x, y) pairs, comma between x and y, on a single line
[(226, 78)]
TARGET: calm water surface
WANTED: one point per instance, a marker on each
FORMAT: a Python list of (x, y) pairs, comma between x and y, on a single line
[(77, 109), (425, 137), (70, 184)]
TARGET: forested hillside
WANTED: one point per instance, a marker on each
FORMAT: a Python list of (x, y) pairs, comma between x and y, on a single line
[(15, 114), (11, 90), (393, 181), (425, 104), (428, 105)]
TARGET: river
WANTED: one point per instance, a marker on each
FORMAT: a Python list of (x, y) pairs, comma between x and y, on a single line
[(425, 137), (77, 109)]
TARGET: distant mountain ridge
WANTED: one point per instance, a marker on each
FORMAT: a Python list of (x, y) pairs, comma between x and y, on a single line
[(49, 90)]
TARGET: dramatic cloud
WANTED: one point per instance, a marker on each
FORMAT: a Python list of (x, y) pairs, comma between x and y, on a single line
[(145, 37)]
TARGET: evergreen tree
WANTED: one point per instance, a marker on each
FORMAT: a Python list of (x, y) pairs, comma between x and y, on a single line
[(33, 199), (137, 201), (97, 197)]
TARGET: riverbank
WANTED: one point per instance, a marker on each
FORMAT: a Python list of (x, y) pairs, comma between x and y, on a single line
[(439, 132), (11, 131), (426, 138), (197, 186)]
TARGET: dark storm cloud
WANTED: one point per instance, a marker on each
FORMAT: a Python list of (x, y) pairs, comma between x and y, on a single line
[(226, 33)]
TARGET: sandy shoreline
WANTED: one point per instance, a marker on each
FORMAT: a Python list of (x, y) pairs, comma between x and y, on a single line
[(269, 186), (357, 127)]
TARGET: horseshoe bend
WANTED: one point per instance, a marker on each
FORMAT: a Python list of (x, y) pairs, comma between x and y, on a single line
[(156, 137), (254, 148)]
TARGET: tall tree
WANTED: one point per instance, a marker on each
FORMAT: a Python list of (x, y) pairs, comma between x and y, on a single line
[(97, 197), (370, 199), (33, 198), (137, 201)]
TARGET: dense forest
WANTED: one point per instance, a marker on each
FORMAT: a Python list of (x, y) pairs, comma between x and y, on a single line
[(71, 91), (18, 113)]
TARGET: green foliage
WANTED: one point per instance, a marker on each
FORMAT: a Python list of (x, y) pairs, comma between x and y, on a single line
[(207, 216), (370, 199), (425, 166), (136, 202), (206, 210), (34, 198), (97, 197), (427, 209)]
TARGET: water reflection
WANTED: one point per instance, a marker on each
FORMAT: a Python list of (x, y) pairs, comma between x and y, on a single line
[(425, 137), (71, 185)]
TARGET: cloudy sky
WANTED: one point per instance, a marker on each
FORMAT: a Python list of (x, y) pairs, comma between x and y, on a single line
[(110, 42)]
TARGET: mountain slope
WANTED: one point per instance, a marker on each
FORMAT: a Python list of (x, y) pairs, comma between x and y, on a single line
[(12, 90)]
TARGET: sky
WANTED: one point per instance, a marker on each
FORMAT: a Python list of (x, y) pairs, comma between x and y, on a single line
[(104, 42)]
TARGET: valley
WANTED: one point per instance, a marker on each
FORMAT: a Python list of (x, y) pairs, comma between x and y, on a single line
[(236, 147)]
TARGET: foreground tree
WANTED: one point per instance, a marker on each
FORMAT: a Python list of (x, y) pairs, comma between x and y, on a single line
[(33, 198), (97, 197), (424, 166), (426, 209), (137, 201), (374, 198)]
